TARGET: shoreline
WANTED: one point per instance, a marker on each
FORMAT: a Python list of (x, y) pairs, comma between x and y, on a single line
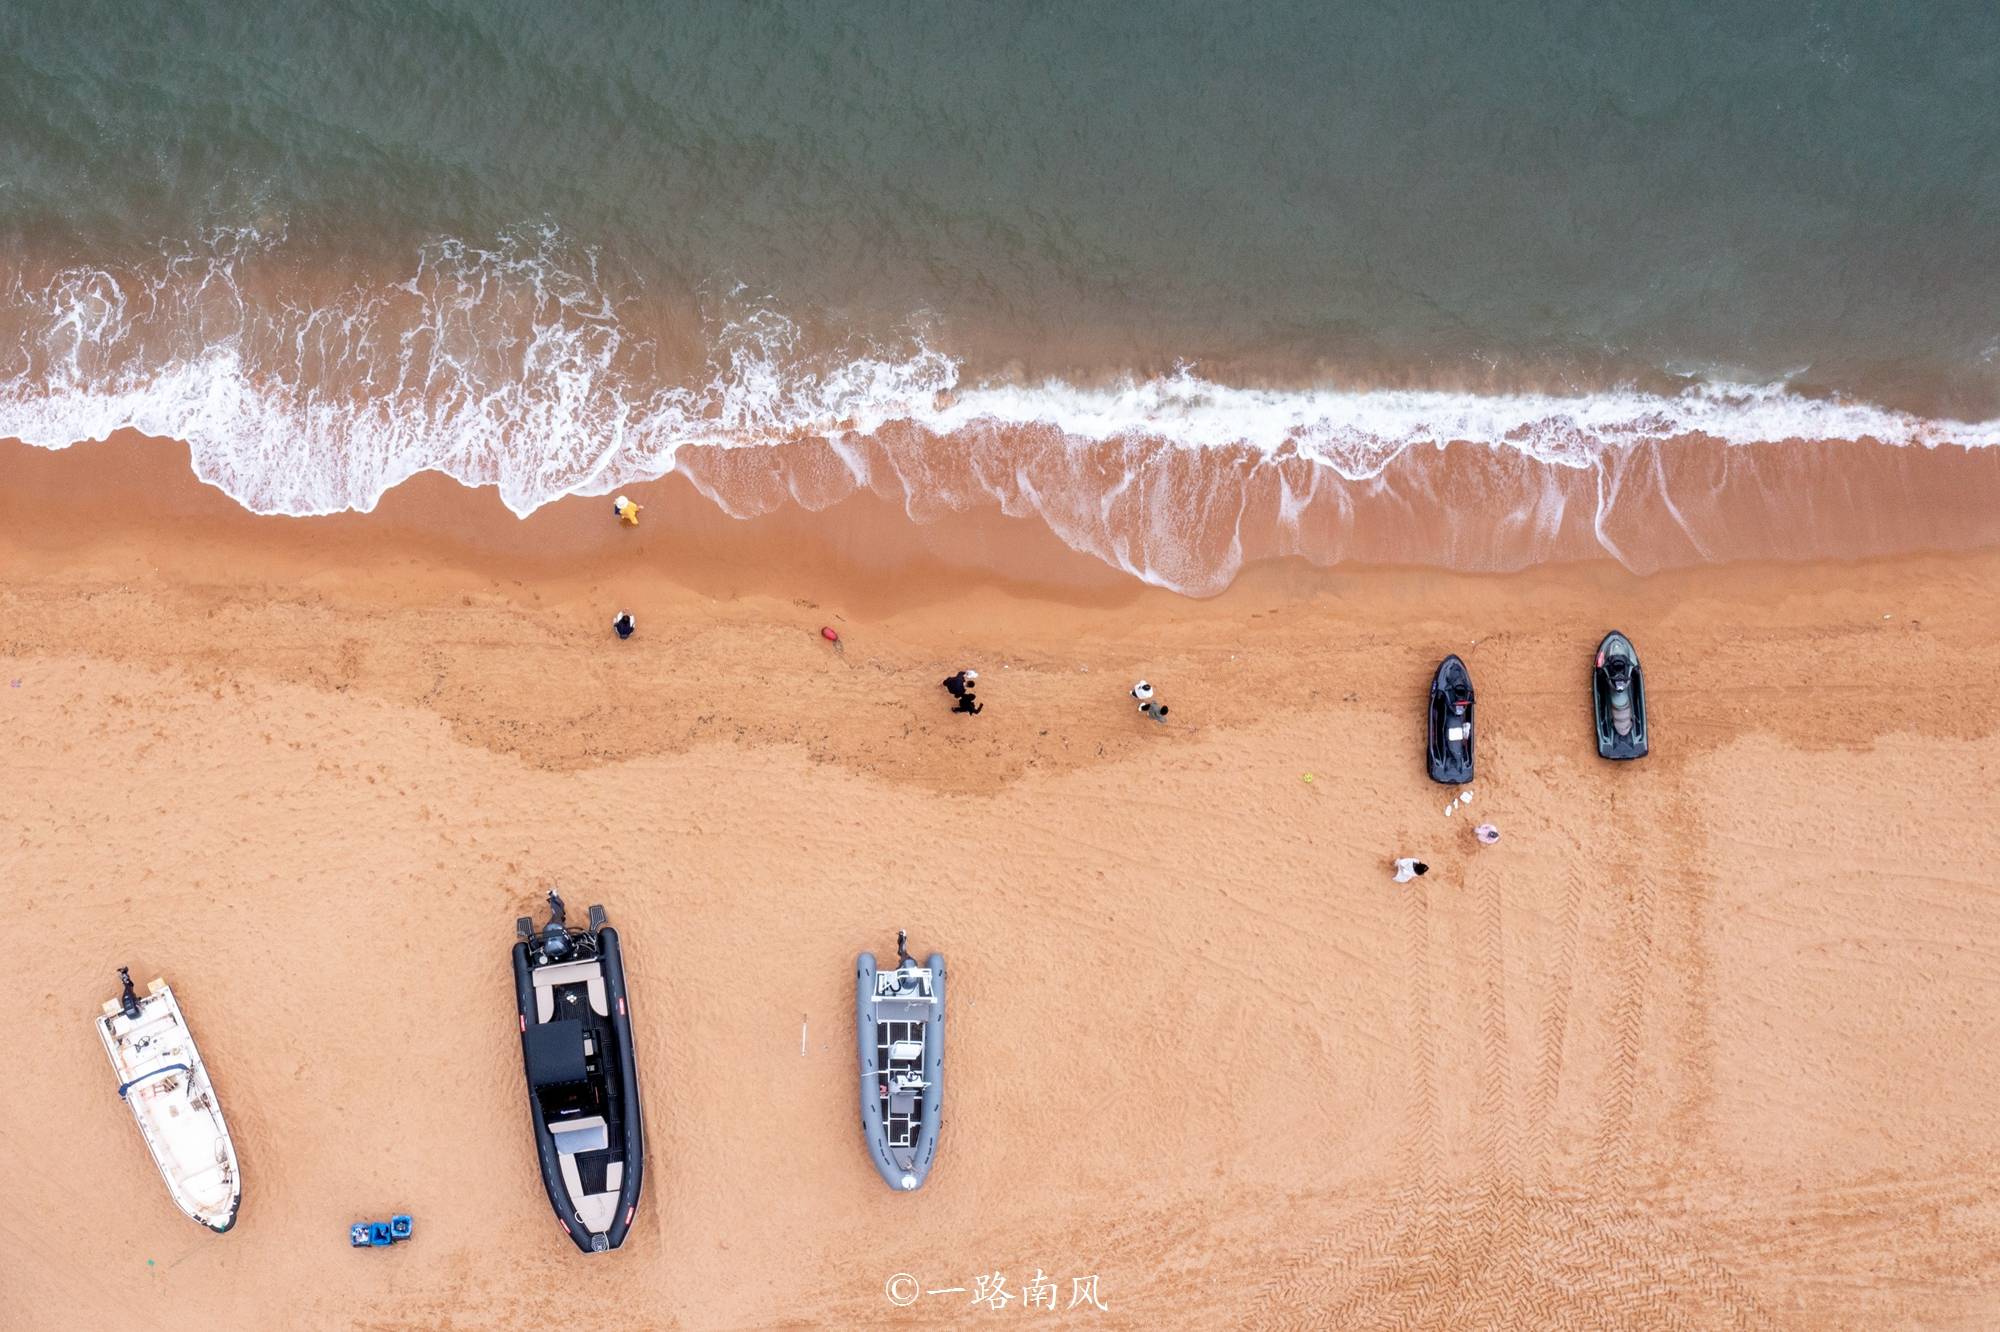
[(1699, 1042), (804, 510), (862, 540)]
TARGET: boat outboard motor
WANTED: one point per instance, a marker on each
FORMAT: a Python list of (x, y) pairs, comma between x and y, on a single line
[(555, 936), (128, 1001), (905, 973), (906, 967)]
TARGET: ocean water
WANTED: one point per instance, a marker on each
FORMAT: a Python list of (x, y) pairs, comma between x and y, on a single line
[(1112, 267)]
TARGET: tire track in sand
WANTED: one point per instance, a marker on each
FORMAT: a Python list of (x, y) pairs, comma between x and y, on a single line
[(1632, 964), (1322, 1289), (1442, 1254), (1643, 1270), (1499, 1143), (1501, 1250), (1503, 1231), (1492, 1231), (1300, 1294), (1412, 1249), (1688, 912), (1552, 1030), (1426, 1149)]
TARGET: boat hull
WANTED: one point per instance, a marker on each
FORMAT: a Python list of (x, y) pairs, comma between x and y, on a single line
[(903, 1168), (624, 1087)]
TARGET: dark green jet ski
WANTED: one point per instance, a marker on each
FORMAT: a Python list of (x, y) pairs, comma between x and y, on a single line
[(1618, 697)]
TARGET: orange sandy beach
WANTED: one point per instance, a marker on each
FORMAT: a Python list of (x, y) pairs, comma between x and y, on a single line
[(1707, 1041)]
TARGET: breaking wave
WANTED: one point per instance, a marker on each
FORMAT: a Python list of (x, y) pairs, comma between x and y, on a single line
[(514, 365)]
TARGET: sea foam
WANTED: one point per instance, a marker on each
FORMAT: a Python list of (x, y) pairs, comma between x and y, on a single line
[(513, 365)]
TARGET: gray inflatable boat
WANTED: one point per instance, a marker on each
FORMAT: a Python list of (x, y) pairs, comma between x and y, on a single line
[(899, 1031)]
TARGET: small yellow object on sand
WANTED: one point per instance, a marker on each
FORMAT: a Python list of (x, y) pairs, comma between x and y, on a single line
[(1309, 778), (627, 511)]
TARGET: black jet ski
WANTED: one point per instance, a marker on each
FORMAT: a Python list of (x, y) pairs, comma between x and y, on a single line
[(1618, 695), (1450, 751), (583, 1083)]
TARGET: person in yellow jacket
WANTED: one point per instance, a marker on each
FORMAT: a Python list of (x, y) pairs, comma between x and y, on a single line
[(627, 511)]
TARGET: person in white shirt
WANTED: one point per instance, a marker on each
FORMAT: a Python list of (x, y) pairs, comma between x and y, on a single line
[(1144, 693), (1409, 867)]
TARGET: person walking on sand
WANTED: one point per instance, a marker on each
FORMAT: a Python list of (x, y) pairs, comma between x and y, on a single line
[(627, 511), (1148, 704), (959, 686), (1409, 867), (624, 624), (1487, 834)]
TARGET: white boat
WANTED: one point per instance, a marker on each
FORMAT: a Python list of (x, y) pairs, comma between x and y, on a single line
[(161, 1077)]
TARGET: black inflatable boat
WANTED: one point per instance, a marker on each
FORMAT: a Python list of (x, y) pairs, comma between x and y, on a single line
[(1618, 697), (583, 1083), (1449, 754)]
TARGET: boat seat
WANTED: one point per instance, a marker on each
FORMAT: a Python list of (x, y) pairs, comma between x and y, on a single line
[(906, 1050), (546, 979), (595, 1210), (148, 1026), (589, 1134), (204, 1184)]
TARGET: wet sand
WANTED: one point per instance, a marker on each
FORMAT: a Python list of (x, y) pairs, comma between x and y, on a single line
[(1190, 518), (1705, 1041)]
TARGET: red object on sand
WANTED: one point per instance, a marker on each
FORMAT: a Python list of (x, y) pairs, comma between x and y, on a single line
[(826, 632)]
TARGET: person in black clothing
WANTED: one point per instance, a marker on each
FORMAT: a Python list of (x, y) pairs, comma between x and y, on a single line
[(960, 687)]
